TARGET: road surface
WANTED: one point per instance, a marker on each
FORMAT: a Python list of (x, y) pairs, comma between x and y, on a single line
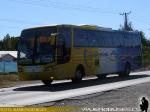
[(30, 94)]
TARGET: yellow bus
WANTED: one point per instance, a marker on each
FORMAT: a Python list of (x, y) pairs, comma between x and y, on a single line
[(59, 52)]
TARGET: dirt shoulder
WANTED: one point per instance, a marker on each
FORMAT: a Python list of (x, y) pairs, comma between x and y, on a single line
[(12, 80)]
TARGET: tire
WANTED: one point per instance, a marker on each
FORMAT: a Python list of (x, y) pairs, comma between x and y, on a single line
[(47, 82), (126, 71), (79, 73)]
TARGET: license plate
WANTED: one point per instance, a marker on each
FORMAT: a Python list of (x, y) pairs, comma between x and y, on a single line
[(33, 69)]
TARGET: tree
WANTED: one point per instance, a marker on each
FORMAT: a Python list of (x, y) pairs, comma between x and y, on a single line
[(145, 41), (127, 25), (9, 43), (145, 49), (5, 41)]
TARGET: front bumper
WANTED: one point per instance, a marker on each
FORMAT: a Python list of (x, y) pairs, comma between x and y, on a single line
[(37, 73)]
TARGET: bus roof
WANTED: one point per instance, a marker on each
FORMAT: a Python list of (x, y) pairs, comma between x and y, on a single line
[(52, 25), (82, 26)]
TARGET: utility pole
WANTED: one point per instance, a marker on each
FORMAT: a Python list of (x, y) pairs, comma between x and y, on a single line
[(125, 14)]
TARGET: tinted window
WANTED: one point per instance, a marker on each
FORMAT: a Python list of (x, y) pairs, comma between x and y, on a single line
[(46, 31), (117, 39), (92, 38), (80, 38), (64, 50), (132, 40), (65, 32)]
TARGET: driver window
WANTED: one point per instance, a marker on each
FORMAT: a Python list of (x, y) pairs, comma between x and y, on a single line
[(64, 45), (60, 49)]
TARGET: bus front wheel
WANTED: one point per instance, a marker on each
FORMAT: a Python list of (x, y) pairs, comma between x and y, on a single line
[(78, 75), (47, 82), (126, 71)]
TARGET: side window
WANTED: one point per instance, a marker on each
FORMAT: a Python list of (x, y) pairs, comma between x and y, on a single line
[(65, 50), (101, 39), (66, 33), (117, 39), (136, 40), (131, 40), (107, 39), (93, 39), (126, 39), (80, 38)]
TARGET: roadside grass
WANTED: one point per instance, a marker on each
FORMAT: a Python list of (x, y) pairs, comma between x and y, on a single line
[(6, 80), (146, 56), (144, 68)]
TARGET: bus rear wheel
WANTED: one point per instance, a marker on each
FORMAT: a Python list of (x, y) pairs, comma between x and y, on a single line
[(47, 82), (126, 71), (78, 75)]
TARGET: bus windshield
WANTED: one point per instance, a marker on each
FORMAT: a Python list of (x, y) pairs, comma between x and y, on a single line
[(35, 47)]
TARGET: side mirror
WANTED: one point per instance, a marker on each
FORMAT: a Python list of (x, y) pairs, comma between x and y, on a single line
[(52, 39)]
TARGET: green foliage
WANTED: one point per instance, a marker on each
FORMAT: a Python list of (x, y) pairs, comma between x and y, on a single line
[(145, 42), (146, 55), (9, 43), (129, 27), (145, 49)]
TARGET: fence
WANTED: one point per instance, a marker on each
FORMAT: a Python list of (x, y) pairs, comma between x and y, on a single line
[(8, 67)]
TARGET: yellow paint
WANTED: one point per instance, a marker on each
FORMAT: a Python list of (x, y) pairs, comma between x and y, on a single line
[(87, 57), (41, 109)]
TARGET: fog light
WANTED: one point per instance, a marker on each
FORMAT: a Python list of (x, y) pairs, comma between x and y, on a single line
[(52, 78)]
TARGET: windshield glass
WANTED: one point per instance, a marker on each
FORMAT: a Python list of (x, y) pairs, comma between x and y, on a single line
[(45, 51), (26, 48), (35, 47)]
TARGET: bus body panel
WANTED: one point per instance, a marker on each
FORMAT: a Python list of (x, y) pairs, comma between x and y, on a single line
[(95, 60)]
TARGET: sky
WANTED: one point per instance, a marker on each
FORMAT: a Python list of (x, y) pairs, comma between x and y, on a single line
[(16, 15)]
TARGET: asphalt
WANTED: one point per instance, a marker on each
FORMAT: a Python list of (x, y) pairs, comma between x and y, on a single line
[(113, 91), (127, 97)]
